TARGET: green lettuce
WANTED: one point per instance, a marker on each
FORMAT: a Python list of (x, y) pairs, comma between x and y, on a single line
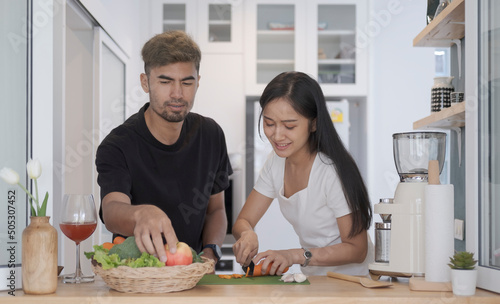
[(145, 260), (101, 255)]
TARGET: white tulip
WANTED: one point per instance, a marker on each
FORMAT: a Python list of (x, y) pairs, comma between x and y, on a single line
[(34, 168), (9, 176)]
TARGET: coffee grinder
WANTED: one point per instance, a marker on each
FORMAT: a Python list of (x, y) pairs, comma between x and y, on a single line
[(406, 256)]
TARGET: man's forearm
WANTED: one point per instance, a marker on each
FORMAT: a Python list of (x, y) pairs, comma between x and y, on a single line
[(118, 217)]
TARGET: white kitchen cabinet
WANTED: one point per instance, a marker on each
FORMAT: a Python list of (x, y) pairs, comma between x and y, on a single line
[(273, 43), (220, 26), (316, 37), (337, 52), (173, 15), (215, 25)]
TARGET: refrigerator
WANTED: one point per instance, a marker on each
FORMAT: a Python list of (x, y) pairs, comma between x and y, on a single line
[(273, 230)]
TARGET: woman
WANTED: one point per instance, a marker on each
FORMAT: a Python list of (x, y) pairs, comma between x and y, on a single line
[(317, 184)]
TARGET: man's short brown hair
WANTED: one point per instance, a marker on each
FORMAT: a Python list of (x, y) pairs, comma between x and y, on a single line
[(168, 48)]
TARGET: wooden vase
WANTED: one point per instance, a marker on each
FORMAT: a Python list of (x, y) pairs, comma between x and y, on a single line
[(39, 256)]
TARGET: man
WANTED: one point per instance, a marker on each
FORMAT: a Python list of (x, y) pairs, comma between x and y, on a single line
[(163, 172)]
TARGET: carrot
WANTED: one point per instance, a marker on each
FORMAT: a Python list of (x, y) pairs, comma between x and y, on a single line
[(225, 276), (118, 240), (257, 270), (108, 245), (230, 276)]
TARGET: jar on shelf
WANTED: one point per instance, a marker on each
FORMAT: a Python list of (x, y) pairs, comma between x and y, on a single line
[(440, 93)]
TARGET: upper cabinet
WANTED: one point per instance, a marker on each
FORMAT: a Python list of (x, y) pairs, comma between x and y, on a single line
[(272, 41), (327, 39), (220, 26), (321, 38), (338, 49), (173, 15), (215, 25)]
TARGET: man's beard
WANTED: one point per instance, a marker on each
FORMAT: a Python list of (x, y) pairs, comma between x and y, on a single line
[(173, 116)]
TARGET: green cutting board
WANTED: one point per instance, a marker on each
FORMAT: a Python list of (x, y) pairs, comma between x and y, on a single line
[(212, 279)]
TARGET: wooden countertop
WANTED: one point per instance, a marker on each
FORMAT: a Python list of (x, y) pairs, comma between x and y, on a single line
[(321, 290)]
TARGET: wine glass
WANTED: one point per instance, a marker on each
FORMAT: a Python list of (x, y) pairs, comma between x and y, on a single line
[(78, 222)]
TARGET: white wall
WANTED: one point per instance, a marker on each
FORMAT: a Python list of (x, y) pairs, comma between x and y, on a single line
[(401, 77)]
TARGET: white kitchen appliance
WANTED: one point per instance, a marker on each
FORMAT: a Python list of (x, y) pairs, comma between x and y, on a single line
[(412, 152)]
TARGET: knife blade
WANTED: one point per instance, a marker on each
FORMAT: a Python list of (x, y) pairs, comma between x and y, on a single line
[(249, 269)]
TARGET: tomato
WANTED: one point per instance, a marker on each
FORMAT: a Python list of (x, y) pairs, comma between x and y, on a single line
[(118, 240), (108, 245), (183, 255)]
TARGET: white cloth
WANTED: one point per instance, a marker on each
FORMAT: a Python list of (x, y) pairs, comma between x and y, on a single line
[(313, 211)]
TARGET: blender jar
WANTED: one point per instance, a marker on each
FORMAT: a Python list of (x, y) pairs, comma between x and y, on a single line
[(413, 150)]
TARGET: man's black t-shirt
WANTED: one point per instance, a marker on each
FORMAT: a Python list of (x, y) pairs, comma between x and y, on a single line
[(177, 178)]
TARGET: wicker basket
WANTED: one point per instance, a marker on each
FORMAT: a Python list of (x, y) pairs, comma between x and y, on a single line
[(154, 279)]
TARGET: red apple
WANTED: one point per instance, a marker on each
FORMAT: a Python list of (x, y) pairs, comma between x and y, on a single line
[(183, 255)]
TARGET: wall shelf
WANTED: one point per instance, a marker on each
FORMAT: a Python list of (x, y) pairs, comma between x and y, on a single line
[(448, 25), (447, 118)]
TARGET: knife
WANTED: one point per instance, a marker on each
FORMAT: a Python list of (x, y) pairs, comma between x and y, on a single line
[(249, 269)]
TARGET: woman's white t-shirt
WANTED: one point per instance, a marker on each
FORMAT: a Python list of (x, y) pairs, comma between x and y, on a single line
[(313, 211)]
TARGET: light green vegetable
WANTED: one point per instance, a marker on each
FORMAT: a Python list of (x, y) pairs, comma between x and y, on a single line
[(146, 260), (102, 256)]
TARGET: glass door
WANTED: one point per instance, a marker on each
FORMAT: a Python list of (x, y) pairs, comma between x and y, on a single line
[(489, 135), (338, 39), (219, 22), (15, 136), (275, 40), (174, 15), (220, 26), (336, 43), (483, 136)]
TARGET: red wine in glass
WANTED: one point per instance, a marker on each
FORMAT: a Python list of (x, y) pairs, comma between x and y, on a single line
[(78, 221), (78, 232)]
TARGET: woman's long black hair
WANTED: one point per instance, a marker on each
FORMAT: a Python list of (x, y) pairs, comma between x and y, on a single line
[(307, 99)]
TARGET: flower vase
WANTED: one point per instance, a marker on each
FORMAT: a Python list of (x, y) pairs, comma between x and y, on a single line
[(39, 256)]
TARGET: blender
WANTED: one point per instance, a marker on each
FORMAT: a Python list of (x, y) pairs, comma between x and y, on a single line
[(412, 153)]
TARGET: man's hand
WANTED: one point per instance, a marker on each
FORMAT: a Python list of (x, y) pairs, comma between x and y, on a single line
[(151, 223), (147, 223)]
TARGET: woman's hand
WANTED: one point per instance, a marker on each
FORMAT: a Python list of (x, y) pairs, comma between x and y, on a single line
[(247, 244), (280, 259), (246, 247)]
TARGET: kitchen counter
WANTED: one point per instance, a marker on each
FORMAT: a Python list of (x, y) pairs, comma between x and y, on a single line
[(321, 290)]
